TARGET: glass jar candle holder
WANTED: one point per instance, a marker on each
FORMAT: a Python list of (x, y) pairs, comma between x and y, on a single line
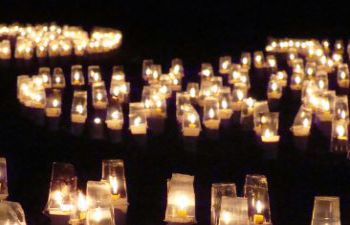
[(296, 81), (247, 108), (206, 71), (326, 211), (177, 67), (234, 211), (258, 59), (235, 74), (343, 76), (94, 74), (246, 60), (77, 75), (137, 118), (281, 77), (63, 185), (193, 90), (297, 65), (113, 173), (180, 200), (58, 79), (41, 50), (156, 72), (12, 213), (224, 64), (321, 80), (54, 48), (339, 46), (175, 82), (256, 191), (269, 129), (115, 116), (120, 90), (79, 210), (191, 125), (5, 49), (99, 95), (326, 46), (310, 70), (147, 68), (24, 48), (260, 115), (159, 106), (53, 103), (325, 109), (45, 73), (79, 107), (23, 88), (66, 47), (302, 122), (182, 103), (225, 103), (341, 108), (3, 180), (274, 90), (340, 130), (211, 118), (239, 93), (216, 83), (118, 73), (218, 192), (271, 62)]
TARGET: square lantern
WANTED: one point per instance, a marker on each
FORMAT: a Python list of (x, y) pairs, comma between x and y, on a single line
[(256, 191), (296, 81), (225, 64), (258, 59), (271, 62), (191, 125), (177, 68), (239, 93), (41, 50), (99, 197), (66, 47), (206, 71), (325, 109), (343, 76), (156, 72), (79, 107), (53, 103), (115, 116), (246, 60), (211, 117), (234, 211), (120, 90), (235, 73), (218, 192), (3, 180), (225, 103), (118, 73), (321, 80), (182, 103), (193, 90), (247, 108), (147, 68), (340, 130), (326, 211), (79, 210), (310, 70), (54, 48), (181, 200), (99, 95), (94, 74), (77, 75), (302, 122), (113, 173), (5, 49), (341, 108), (12, 213), (269, 128), (45, 73), (58, 79), (137, 118), (274, 89), (63, 185)]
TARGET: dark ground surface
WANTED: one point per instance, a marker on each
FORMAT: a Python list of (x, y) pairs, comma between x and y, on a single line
[(196, 32)]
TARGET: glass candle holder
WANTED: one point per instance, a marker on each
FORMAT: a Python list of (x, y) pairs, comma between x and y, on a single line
[(339, 46), (340, 130), (147, 68), (65, 47), (182, 103), (99, 198), (53, 103), (79, 47), (41, 50), (115, 117), (80, 207), (24, 48), (113, 174), (216, 84), (23, 88), (239, 93), (258, 59), (45, 73), (256, 191), (246, 59), (343, 76), (218, 192), (326, 46), (281, 77), (234, 211), (325, 109), (63, 185), (296, 81), (274, 90), (235, 74), (337, 58), (175, 81), (297, 65), (94, 74), (99, 95), (12, 213), (181, 200), (225, 103), (120, 90), (37, 93), (310, 70), (3, 179), (137, 118), (191, 125), (193, 90), (261, 115), (302, 122), (341, 108), (205, 91), (177, 67), (79, 107), (54, 48), (156, 72), (224, 64), (321, 80), (271, 62), (5, 49), (247, 108), (158, 108), (211, 118), (165, 86), (77, 75), (58, 79), (118, 73), (206, 71), (326, 211), (269, 128)]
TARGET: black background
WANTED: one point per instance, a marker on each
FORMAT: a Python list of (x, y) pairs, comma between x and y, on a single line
[(196, 31)]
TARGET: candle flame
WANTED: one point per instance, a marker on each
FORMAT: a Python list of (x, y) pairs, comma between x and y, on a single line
[(114, 184)]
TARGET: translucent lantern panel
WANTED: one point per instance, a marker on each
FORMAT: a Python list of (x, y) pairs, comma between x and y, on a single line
[(11, 213), (99, 95), (94, 74), (79, 107), (115, 116), (302, 122), (77, 75), (58, 79), (218, 191), (3, 179), (224, 64), (191, 125), (326, 211), (234, 211)]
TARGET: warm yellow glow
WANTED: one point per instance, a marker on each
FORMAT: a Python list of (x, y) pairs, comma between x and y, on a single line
[(97, 215), (82, 202), (259, 206), (211, 113), (306, 122), (58, 80), (226, 217), (192, 118), (115, 115), (267, 134), (76, 76), (99, 96), (114, 184), (137, 121), (55, 102), (340, 130), (250, 102), (97, 120), (79, 108), (193, 92), (240, 95), (182, 202), (224, 104)]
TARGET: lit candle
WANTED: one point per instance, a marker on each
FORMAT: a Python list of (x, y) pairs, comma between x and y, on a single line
[(259, 217), (191, 125)]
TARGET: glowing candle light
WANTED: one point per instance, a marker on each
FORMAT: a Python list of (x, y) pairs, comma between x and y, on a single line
[(137, 118), (258, 59), (58, 79), (191, 125), (224, 64), (53, 103), (77, 76), (79, 107), (211, 117), (302, 122)]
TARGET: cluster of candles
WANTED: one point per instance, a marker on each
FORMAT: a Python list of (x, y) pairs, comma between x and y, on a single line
[(11, 213), (105, 201), (51, 40)]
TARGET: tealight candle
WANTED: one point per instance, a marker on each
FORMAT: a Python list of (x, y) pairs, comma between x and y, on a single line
[(115, 118), (156, 72), (239, 93), (193, 90), (340, 130), (58, 79), (225, 103), (246, 60), (137, 118), (53, 103), (224, 64), (5, 49), (54, 48), (302, 122), (296, 81), (235, 73), (343, 76), (191, 125), (325, 109), (147, 68), (45, 73), (211, 117), (206, 70), (258, 59), (99, 95), (274, 90), (94, 74), (79, 105), (77, 76), (341, 108), (177, 67), (118, 73)]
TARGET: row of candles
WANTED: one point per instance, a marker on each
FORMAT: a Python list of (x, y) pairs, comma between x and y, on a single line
[(106, 200), (51, 40)]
